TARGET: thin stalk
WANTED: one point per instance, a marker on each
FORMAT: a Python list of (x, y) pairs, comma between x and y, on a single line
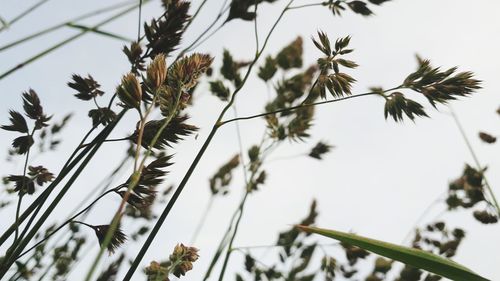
[(240, 212), (65, 223), (197, 159), (66, 41), (139, 22), (18, 209), (295, 108), (195, 14), (333, 244), (476, 159), (209, 27), (307, 5), (201, 222), (21, 192), (222, 245), (233, 236), (9, 258), (61, 25), (23, 14), (100, 32), (108, 140)]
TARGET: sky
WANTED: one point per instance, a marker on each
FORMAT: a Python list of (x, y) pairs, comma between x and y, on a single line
[(376, 182)]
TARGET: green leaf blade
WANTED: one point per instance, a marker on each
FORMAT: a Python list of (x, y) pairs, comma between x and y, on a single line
[(414, 257)]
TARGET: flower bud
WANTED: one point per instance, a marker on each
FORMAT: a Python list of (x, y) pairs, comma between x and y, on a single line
[(156, 72), (129, 91)]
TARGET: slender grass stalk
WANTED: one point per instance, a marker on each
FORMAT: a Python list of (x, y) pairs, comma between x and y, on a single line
[(66, 223), (18, 210), (3, 22), (308, 5), (476, 159), (23, 14), (195, 14), (202, 220), (209, 27), (63, 24), (21, 192), (254, 171), (233, 236), (100, 32), (295, 108), (66, 41)]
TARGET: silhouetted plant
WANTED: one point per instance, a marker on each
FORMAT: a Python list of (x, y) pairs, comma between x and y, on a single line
[(158, 83)]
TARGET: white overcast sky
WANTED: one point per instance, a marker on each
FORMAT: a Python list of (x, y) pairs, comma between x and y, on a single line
[(376, 182)]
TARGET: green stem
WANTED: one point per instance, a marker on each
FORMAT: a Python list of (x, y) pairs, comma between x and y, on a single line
[(233, 236), (100, 32), (18, 209), (66, 41), (201, 222), (61, 25), (307, 5), (23, 14), (222, 245), (22, 191)]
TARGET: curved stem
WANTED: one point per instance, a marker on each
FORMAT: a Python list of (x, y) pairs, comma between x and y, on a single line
[(307, 5), (66, 222), (201, 222), (295, 108), (209, 27), (21, 191), (108, 140), (233, 236)]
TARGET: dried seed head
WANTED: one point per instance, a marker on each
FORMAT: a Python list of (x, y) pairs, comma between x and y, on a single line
[(291, 55), (485, 217), (222, 178), (87, 87), (487, 138), (116, 241), (134, 55), (173, 132), (157, 272), (182, 258), (319, 150), (156, 72), (130, 91)]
